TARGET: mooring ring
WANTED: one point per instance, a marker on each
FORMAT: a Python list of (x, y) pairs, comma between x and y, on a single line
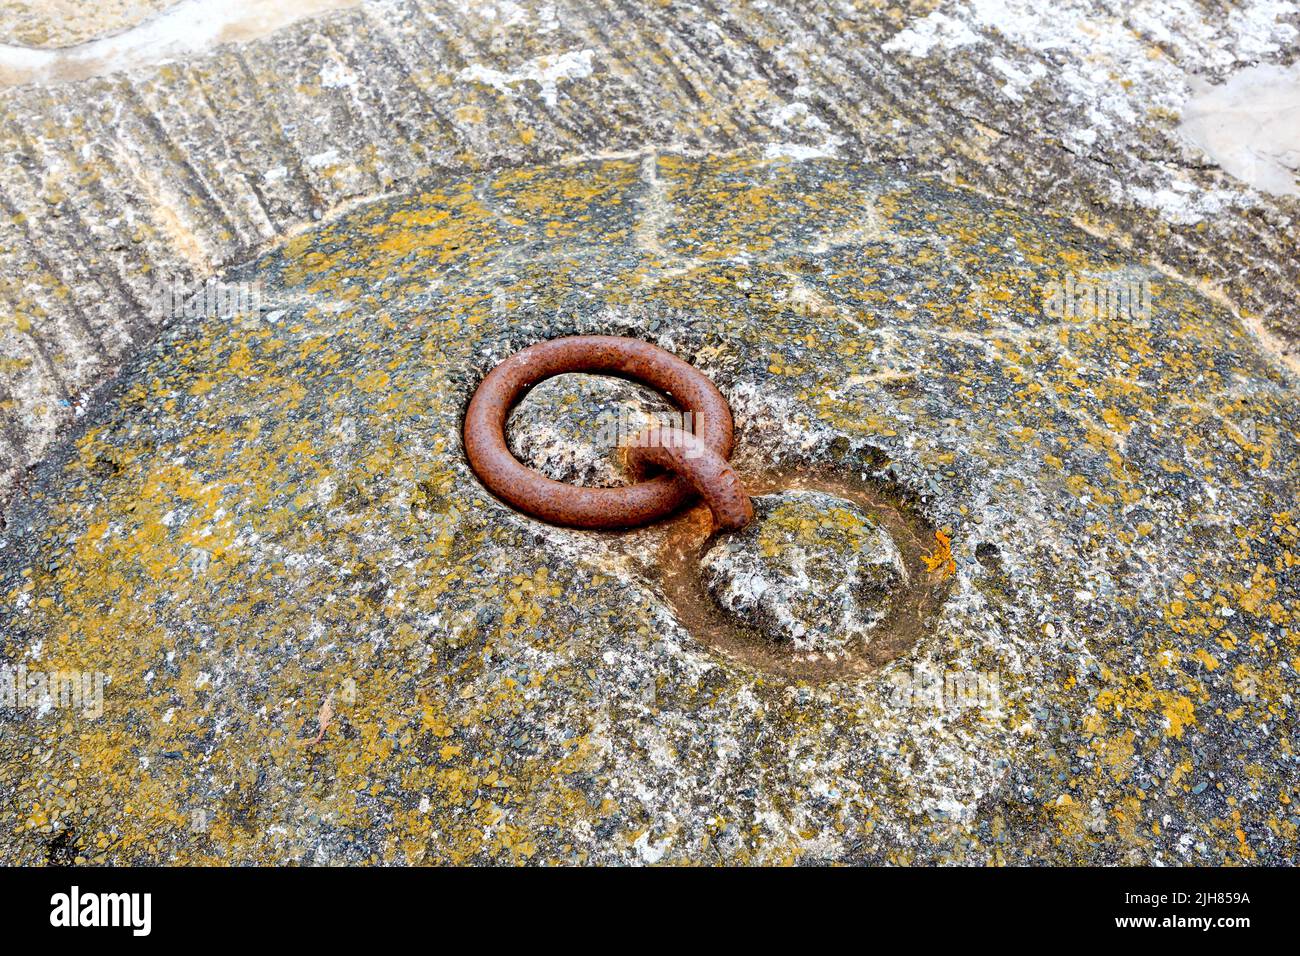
[(708, 472), (532, 492)]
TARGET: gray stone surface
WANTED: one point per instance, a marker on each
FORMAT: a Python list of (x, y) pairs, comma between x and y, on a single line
[(325, 642)]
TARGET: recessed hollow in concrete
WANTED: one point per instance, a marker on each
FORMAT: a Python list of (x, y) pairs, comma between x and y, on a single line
[(892, 620)]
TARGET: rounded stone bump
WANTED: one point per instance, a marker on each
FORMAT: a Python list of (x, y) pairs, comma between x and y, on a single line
[(812, 571)]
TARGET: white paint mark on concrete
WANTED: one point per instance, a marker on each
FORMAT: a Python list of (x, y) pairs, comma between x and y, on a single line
[(546, 71), (797, 151), (934, 29)]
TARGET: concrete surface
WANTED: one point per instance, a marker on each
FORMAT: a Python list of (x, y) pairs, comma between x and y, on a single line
[(324, 642)]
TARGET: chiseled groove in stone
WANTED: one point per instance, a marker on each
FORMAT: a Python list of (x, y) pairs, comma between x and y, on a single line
[(322, 138), (402, 87), (663, 41), (11, 433), (393, 95), (266, 115), (621, 44), (834, 71), (171, 114), (23, 200), (357, 98), (91, 207), (252, 199), (23, 360), (262, 64), (202, 184), (448, 42), (779, 76), (68, 328)]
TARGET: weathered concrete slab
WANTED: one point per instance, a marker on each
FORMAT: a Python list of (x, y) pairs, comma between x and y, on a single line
[(325, 641), (179, 168)]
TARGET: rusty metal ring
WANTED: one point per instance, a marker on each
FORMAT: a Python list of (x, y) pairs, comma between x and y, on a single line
[(560, 503), (707, 471)]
